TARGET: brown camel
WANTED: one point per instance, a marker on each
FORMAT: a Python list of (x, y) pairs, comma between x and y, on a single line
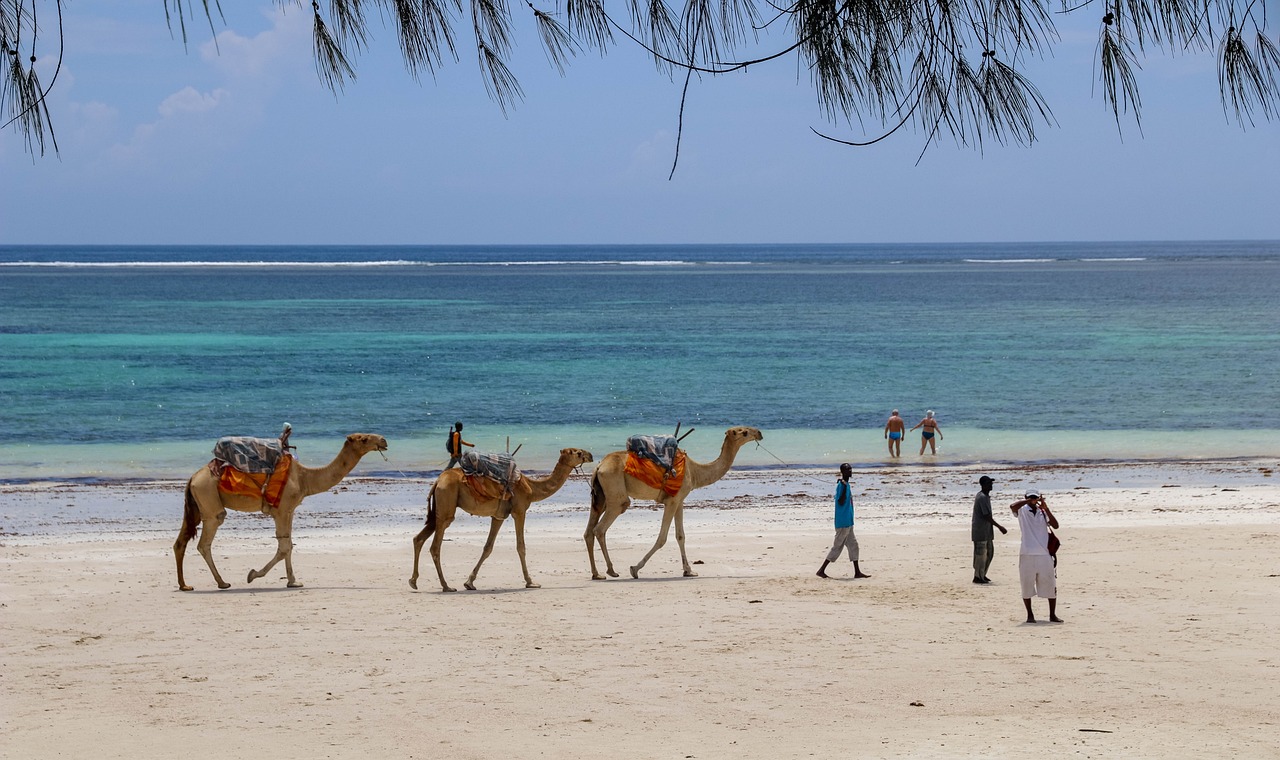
[(612, 490), (450, 493), (206, 505)]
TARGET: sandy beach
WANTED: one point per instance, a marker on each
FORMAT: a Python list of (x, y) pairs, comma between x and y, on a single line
[(1168, 584)]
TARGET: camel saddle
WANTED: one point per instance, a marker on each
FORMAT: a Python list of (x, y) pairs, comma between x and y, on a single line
[(254, 467), (656, 461), (659, 449), (249, 454), (489, 476)]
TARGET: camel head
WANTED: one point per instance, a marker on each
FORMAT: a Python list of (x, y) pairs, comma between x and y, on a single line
[(363, 443), (576, 457), (740, 436)]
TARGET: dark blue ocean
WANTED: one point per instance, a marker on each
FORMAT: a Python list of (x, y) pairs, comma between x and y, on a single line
[(130, 361)]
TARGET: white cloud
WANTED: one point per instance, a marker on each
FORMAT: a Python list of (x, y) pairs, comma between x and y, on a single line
[(189, 100), (280, 47)]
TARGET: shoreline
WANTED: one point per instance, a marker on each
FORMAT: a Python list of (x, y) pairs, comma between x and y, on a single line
[(902, 496), (785, 449), (1264, 463)]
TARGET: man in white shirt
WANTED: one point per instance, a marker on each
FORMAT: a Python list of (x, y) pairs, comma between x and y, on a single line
[(1035, 565)]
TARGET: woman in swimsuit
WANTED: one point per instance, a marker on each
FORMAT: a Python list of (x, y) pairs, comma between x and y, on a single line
[(931, 428)]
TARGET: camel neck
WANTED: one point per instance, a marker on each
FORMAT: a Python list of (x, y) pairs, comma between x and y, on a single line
[(705, 474), (320, 479), (547, 486)]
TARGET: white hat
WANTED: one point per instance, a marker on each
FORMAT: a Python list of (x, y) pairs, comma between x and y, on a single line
[(1032, 493)]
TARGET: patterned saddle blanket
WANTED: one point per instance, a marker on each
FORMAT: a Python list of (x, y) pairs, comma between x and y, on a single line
[(656, 461), (249, 454), (489, 476), (254, 467), (659, 449)]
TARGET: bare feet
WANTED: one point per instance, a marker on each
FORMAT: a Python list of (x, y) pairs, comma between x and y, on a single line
[(1031, 620), (861, 575), (823, 575), (1055, 619)]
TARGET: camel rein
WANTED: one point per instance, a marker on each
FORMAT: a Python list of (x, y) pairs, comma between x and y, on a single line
[(810, 478)]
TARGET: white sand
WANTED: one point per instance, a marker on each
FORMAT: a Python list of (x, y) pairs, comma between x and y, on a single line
[(1169, 585)]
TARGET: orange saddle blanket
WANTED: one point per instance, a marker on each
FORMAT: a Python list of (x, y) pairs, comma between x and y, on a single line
[(653, 475), (484, 489), (267, 487)]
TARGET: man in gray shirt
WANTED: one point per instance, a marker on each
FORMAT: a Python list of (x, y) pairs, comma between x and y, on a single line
[(984, 543)]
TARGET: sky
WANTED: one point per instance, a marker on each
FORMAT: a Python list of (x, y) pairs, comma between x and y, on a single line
[(241, 143)]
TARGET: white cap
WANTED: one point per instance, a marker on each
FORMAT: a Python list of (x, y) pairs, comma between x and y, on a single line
[(1033, 493)]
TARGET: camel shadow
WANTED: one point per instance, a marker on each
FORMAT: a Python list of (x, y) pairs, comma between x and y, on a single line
[(272, 590), (492, 591), (661, 579)]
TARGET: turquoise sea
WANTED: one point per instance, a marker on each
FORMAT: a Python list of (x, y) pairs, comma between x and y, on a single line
[(129, 362)]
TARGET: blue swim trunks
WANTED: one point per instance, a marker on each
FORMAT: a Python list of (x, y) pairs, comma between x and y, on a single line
[(894, 435)]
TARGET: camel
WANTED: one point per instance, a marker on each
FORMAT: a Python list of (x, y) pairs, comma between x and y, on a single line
[(450, 492), (612, 490), (208, 506)]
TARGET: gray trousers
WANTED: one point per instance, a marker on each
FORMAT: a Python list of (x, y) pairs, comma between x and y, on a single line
[(844, 540), (983, 551)]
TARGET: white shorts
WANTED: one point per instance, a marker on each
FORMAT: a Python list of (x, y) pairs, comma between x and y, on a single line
[(1038, 575)]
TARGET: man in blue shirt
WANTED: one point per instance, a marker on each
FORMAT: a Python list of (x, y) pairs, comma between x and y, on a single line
[(844, 525)]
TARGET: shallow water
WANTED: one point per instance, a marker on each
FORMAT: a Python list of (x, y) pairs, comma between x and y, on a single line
[(129, 362)]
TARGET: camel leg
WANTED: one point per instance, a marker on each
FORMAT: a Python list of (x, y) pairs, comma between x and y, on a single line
[(684, 558), (190, 518), (205, 545), (288, 562), (524, 567), (601, 529), (495, 525), (667, 514), (589, 536), (418, 542), (179, 550), (436, 543), (284, 548)]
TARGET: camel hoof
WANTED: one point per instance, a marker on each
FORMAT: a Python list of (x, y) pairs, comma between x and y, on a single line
[(252, 574), (469, 586), (413, 583), (294, 584), (184, 588), (597, 577), (448, 589), (224, 585), (612, 574), (531, 584), (635, 572), (690, 574)]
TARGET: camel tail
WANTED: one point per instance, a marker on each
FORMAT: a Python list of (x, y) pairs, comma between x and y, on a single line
[(190, 516), (597, 494), (430, 527)]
